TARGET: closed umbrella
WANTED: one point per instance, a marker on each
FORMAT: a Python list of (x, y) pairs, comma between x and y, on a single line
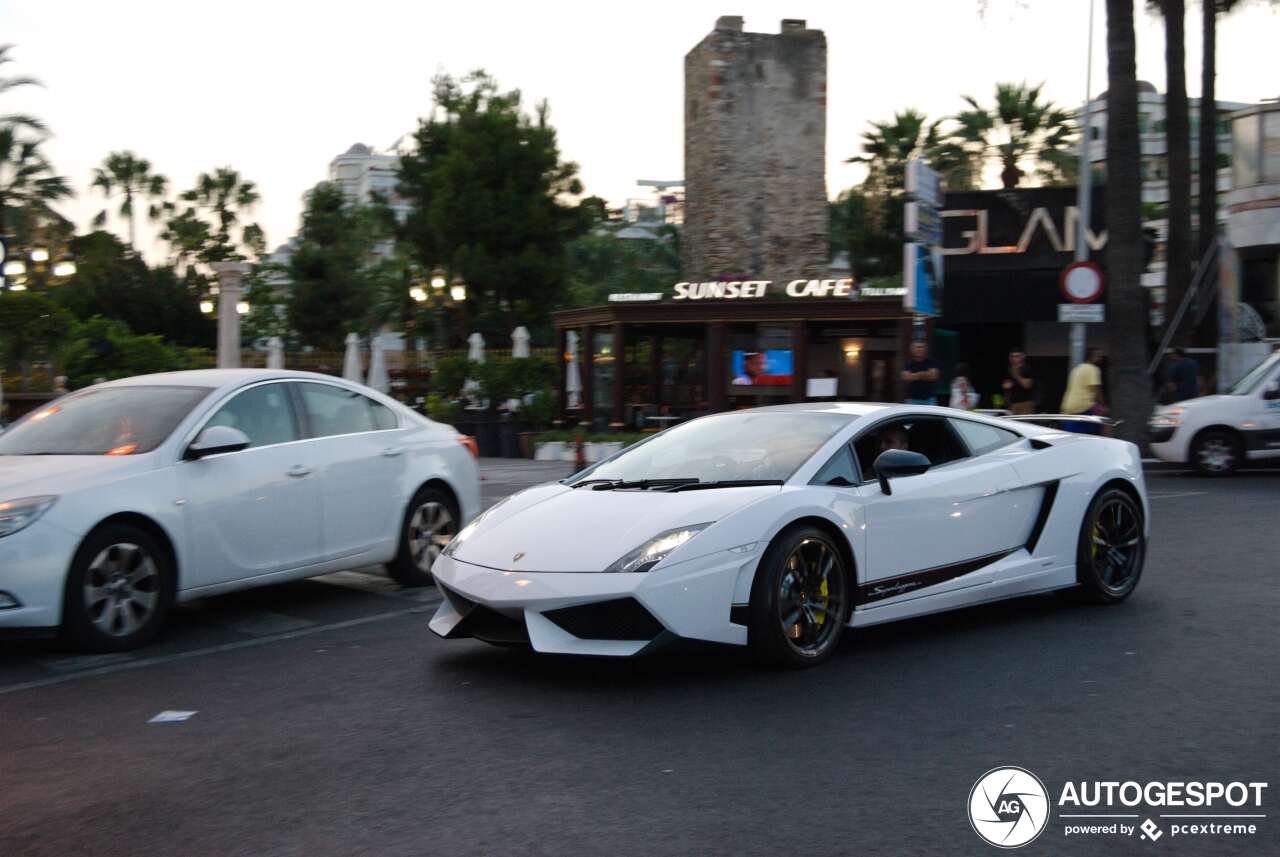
[(275, 353), (572, 378), (378, 379), (475, 353), (520, 343), (351, 362)]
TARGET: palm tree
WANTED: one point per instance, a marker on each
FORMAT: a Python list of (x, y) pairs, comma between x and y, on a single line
[(227, 198), (8, 83), (126, 174), (28, 184), (1018, 130), (888, 145), (1178, 137), (1126, 301), (1208, 208)]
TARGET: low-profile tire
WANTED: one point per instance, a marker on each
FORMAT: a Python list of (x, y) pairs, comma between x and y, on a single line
[(1112, 547), (1216, 452), (118, 591), (430, 521), (800, 600)]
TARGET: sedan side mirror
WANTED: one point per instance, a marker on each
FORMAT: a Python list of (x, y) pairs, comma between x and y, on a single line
[(215, 440), (1272, 392), (893, 463)]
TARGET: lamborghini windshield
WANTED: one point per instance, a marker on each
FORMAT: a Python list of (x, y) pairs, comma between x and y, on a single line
[(745, 445)]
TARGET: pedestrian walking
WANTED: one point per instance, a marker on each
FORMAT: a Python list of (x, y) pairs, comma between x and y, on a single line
[(1019, 384), (963, 395), (920, 374), (1181, 377)]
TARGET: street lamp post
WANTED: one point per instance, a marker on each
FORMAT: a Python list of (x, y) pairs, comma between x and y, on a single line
[(439, 293)]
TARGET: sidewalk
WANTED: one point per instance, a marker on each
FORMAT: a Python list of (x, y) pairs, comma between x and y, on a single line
[(501, 477)]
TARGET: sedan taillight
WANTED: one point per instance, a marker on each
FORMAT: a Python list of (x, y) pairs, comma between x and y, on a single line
[(470, 443)]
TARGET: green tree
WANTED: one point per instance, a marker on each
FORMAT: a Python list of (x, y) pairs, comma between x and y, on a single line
[(20, 120), (601, 263), (106, 348), (126, 175), (1126, 297), (116, 284), (862, 226), (887, 146), (1019, 131), (488, 190), (211, 227), (336, 271), (31, 328), (28, 184)]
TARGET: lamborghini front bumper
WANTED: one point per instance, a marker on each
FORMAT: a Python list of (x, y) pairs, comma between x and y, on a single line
[(594, 613)]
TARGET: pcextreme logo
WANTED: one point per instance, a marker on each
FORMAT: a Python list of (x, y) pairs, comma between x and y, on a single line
[(1009, 807)]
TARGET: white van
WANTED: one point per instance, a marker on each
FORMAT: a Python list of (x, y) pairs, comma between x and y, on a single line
[(1219, 433)]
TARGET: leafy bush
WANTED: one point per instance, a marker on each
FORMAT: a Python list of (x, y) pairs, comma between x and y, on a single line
[(106, 348), (450, 375), (440, 409)]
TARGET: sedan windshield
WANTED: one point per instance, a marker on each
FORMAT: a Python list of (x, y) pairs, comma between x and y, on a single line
[(746, 445), (103, 421)]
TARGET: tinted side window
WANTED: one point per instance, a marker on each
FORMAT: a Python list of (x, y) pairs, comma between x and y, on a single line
[(928, 436), (336, 410), (838, 471), (263, 413), (983, 438)]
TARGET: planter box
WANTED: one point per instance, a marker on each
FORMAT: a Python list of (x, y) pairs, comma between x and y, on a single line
[(550, 451), (557, 450)]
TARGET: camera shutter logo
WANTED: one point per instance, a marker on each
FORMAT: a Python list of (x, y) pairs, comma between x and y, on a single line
[(1008, 807)]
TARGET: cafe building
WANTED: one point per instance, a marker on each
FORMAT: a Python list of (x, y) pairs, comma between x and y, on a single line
[(702, 347)]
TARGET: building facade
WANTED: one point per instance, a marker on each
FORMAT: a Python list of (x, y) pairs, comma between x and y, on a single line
[(1155, 170), (755, 153), (364, 174)]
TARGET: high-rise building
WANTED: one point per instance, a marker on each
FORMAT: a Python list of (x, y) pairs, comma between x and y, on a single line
[(755, 108), (363, 173)]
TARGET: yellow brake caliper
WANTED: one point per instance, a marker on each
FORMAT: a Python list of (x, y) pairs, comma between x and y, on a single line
[(822, 617)]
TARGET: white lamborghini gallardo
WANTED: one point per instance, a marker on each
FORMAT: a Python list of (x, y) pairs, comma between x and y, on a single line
[(778, 527)]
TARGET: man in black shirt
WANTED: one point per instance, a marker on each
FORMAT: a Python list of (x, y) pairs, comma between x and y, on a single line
[(920, 374), (1182, 378), (1019, 384)]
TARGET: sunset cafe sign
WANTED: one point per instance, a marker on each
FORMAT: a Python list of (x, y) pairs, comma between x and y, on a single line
[(845, 288)]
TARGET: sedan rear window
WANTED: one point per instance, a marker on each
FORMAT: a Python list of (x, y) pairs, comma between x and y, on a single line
[(103, 421)]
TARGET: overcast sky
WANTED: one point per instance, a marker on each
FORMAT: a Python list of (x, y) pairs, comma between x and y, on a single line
[(277, 89)]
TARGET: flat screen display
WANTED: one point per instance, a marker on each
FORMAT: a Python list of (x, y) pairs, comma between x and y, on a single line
[(770, 368)]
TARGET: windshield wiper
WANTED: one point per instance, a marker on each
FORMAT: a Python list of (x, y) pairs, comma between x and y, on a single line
[(645, 483), (591, 482), (726, 483)]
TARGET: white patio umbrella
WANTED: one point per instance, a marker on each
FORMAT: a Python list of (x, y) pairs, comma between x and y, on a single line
[(378, 379), (572, 378), (475, 352), (1, 399), (351, 362), (275, 353), (520, 343)]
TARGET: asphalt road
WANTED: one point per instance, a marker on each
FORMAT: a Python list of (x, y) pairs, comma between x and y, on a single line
[(329, 720)]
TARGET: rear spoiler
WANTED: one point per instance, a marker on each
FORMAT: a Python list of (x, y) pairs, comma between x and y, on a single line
[(1058, 421)]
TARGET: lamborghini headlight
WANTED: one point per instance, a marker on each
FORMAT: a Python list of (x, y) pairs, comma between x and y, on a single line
[(469, 530), (1167, 418), (657, 549), (17, 514)]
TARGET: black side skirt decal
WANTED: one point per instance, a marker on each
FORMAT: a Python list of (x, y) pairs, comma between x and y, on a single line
[(878, 590)]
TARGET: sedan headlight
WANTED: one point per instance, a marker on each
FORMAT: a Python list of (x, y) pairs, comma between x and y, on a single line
[(657, 548), (16, 514), (1167, 418), (469, 530)]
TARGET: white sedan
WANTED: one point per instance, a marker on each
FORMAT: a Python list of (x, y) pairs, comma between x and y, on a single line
[(122, 498), (778, 527)]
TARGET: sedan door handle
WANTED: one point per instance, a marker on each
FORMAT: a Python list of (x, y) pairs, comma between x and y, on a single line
[(392, 451), (298, 471)]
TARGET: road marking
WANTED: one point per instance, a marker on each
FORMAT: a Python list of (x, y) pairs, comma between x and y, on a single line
[(138, 663), (1176, 494)]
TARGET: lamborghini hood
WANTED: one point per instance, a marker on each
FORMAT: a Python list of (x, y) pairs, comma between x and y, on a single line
[(557, 528)]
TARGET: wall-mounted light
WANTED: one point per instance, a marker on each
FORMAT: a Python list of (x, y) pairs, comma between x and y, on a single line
[(852, 352)]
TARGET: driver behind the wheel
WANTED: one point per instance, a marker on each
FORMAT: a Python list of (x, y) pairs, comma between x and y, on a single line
[(893, 438)]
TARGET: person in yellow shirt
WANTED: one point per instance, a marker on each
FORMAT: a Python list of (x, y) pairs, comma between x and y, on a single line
[(1084, 387)]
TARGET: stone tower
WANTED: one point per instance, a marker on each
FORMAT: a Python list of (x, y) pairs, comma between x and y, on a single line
[(755, 129)]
